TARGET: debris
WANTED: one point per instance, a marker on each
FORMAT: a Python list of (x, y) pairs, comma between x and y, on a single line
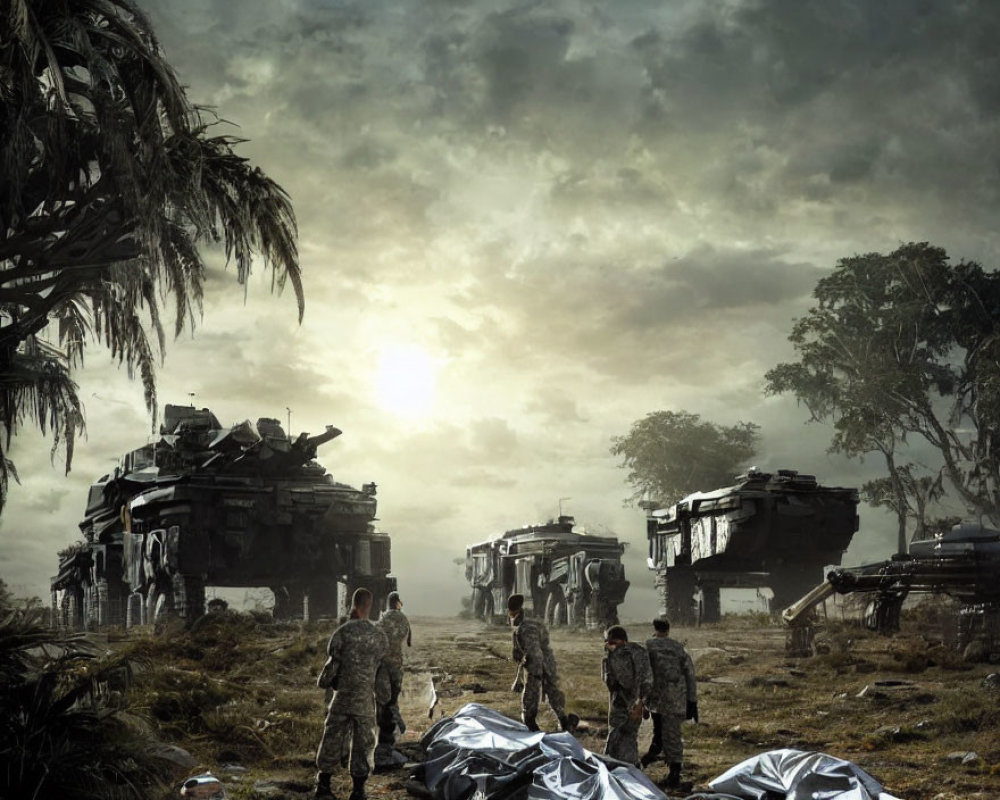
[(203, 787), (758, 680), (991, 681), (432, 699)]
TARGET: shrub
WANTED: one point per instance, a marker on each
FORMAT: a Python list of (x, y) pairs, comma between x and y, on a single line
[(66, 729)]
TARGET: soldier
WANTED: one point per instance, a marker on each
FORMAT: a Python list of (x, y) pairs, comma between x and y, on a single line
[(625, 671), (536, 671), (396, 627), (355, 650), (673, 698)]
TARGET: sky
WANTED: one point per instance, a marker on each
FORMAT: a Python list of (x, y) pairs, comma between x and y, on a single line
[(525, 225)]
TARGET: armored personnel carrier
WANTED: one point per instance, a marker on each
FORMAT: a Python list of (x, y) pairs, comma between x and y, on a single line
[(208, 505), (769, 529), (566, 577)]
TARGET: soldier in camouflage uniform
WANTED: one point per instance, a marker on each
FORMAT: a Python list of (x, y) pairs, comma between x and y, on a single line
[(355, 650), (536, 672), (396, 627), (673, 699), (625, 671)]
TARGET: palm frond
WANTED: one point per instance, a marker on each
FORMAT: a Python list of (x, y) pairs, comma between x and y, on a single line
[(111, 183)]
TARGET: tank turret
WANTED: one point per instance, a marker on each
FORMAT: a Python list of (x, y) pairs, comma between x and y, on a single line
[(566, 576), (208, 505), (768, 529)]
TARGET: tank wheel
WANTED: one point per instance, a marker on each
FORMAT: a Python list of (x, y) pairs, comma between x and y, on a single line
[(710, 608), (188, 597), (678, 590), (288, 602), (322, 600), (104, 606), (479, 603), (134, 609), (555, 607), (159, 603), (71, 611)]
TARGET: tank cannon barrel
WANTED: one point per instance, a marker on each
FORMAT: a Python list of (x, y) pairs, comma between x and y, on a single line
[(960, 575)]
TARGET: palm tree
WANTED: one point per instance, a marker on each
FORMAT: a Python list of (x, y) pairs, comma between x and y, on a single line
[(110, 180)]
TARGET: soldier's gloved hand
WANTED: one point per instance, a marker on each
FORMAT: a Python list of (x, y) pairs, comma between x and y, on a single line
[(692, 711), (517, 686)]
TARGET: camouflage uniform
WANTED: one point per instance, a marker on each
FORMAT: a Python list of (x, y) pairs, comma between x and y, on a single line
[(532, 651), (355, 650), (673, 690), (396, 627), (625, 671)]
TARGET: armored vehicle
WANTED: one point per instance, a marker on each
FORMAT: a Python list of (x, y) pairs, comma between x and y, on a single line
[(769, 529), (567, 577), (207, 505)]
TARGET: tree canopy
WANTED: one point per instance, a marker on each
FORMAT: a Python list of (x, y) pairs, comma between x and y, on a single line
[(669, 454), (110, 181), (904, 345)]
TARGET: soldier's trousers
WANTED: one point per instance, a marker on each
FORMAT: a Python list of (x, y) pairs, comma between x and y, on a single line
[(623, 734), (667, 737), (343, 731), (534, 685), (390, 676)]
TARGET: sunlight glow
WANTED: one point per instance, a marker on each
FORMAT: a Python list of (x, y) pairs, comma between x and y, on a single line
[(405, 380)]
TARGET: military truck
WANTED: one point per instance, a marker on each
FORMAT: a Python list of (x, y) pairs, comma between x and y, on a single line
[(208, 505), (769, 529), (567, 577)]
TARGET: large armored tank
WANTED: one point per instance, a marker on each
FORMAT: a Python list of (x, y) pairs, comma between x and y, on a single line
[(567, 577), (769, 529), (208, 505)]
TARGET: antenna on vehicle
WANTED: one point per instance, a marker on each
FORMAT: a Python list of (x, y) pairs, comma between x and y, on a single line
[(289, 430)]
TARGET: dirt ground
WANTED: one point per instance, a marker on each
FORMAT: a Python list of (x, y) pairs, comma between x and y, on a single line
[(916, 717)]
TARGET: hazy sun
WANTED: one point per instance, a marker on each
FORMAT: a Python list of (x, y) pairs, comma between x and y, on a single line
[(404, 380)]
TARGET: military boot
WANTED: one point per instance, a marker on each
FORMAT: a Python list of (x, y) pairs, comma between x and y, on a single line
[(358, 792), (568, 722), (323, 786), (655, 748), (673, 780)]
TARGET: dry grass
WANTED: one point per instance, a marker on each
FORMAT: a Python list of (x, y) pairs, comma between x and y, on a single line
[(244, 691)]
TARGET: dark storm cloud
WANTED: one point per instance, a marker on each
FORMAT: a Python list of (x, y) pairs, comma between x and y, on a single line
[(604, 315), (804, 111)]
